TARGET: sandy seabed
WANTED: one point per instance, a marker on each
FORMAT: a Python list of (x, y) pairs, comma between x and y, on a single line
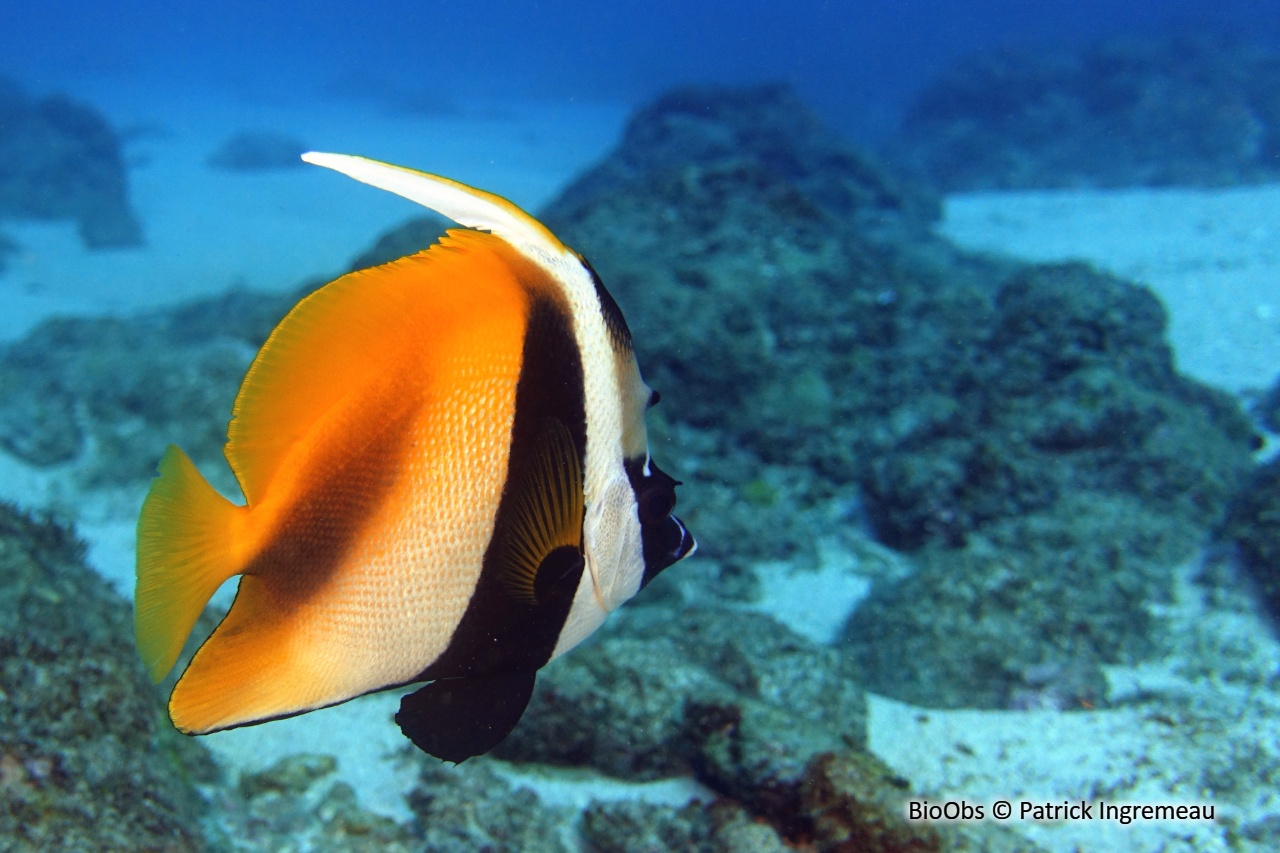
[(1212, 256)]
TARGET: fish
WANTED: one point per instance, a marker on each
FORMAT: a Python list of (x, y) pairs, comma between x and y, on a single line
[(446, 480)]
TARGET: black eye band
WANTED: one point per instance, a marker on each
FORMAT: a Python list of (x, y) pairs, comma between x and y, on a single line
[(656, 502)]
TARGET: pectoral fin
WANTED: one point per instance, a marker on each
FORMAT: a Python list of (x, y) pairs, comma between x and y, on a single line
[(457, 718)]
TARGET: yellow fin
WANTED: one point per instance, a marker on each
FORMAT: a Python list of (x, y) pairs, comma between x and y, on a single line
[(185, 552), (548, 509)]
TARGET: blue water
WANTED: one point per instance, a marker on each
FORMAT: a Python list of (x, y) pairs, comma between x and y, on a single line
[(856, 62)]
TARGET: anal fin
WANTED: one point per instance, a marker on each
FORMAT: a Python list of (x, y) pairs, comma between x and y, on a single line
[(457, 718)]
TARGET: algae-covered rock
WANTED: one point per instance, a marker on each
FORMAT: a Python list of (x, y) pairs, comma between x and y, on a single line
[(62, 161), (765, 130), (1025, 615), (1254, 525), (638, 827), (110, 393), (258, 151), (1073, 389), (854, 804), (295, 805), (732, 697), (1123, 112), (659, 685), (760, 308), (88, 759), (843, 341), (469, 807)]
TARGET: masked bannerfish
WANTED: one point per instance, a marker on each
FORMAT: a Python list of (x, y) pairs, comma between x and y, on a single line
[(447, 480)]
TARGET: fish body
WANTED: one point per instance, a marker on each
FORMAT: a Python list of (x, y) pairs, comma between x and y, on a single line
[(447, 479)]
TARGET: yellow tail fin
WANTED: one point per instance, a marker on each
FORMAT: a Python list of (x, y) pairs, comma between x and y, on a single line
[(185, 552)]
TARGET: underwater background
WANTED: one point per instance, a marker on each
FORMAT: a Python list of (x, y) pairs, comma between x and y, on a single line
[(966, 321)]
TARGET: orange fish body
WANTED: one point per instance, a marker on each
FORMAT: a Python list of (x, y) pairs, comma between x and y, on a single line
[(446, 479)]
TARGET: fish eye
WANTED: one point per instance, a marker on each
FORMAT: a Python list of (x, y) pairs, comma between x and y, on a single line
[(656, 502), (654, 399)]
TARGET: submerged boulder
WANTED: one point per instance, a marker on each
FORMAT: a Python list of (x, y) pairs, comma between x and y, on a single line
[(661, 686), (1026, 615), (63, 161), (1131, 112), (1253, 524), (88, 759), (769, 135), (953, 391), (963, 398), (258, 151), (1071, 388), (108, 394)]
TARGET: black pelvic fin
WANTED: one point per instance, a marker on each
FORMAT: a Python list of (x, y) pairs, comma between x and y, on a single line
[(457, 718)]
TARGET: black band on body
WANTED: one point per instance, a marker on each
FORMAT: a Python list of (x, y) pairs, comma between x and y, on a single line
[(500, 631)]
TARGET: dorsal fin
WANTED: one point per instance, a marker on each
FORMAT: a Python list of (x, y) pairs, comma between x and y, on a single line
[(463, 204), (347, 334)]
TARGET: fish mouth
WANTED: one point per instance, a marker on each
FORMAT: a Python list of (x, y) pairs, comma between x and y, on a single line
[(688, 545), (665, 545)]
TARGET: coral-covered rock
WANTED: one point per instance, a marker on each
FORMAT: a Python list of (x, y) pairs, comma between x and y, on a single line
[(110, 393), (802, 332), (765, 131), (1119, 113), (1254, 525), (469, 807), (88, 759), (638, 827), (661, 689), (1025, 615), (258, 151), (295, 805), (1072, 389), (63, 161), (854, 804)]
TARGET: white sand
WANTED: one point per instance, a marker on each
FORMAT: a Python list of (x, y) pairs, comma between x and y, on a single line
[(1212, 257)]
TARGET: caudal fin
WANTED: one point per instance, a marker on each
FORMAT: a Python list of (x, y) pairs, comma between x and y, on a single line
[(185, 552)]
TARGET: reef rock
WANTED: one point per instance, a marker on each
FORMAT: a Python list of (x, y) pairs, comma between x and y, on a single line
[(1068, 387), (258, 151), (88, 759), (844, 340), (1267, 408), (108, 394), (1025, 615), (662, 686), (841, 345), (1253, 524), (761, 134), (63, 161), (1178, 111)]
